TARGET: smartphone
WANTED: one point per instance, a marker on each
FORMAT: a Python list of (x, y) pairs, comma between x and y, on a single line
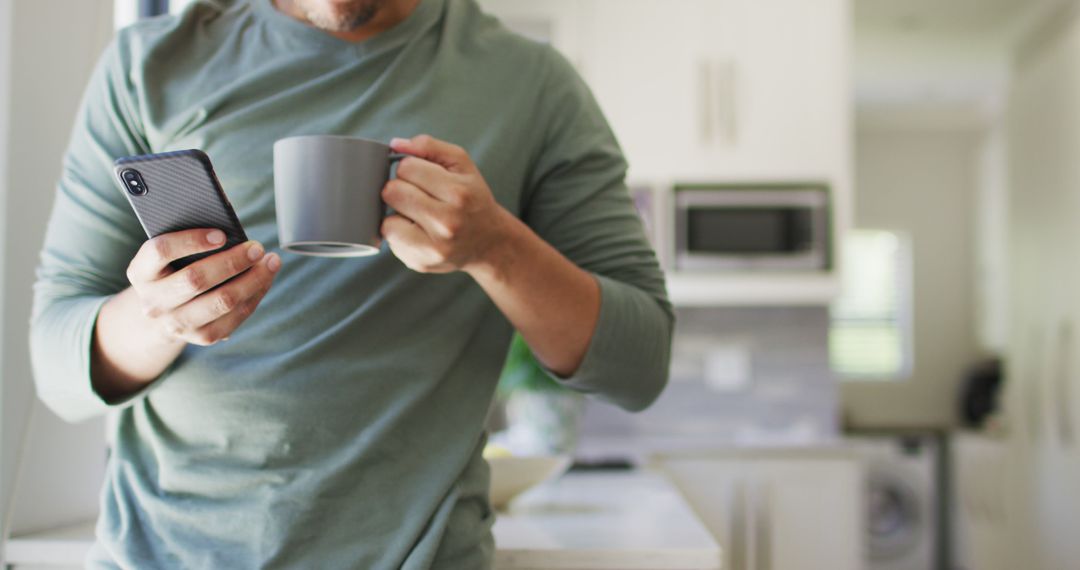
[(173, 191)]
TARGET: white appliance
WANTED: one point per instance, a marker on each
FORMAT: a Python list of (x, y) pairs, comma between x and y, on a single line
[(776, 227), (904, 526)]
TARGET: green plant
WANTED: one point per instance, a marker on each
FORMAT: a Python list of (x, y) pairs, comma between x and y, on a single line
[(523, 372)]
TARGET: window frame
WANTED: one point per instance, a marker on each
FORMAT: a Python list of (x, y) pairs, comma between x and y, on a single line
[(151, 8)]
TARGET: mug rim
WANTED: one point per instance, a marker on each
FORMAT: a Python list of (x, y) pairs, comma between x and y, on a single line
[(334, 137), (354, 249)]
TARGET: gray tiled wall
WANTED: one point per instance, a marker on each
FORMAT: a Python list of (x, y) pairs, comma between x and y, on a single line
[(789, 396)]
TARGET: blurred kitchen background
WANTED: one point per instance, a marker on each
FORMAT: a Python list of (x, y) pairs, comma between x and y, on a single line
[(869, 212)]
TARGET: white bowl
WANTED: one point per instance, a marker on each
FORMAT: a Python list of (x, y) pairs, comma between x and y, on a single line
[(512, 476)]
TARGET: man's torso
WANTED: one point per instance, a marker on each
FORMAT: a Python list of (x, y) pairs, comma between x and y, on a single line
[(341, 425)]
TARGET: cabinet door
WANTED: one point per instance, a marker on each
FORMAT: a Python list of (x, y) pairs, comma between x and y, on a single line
[(1043, 230), (641, 59), (986, 529), (703, 88), (783, 71), (719, 491), (808, 515), (558, 22), (776, 514)]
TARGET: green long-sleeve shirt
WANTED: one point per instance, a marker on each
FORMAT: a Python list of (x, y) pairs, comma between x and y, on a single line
[(342, 425)]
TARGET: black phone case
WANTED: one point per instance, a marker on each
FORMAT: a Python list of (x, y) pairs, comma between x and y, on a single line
[(182, 193)]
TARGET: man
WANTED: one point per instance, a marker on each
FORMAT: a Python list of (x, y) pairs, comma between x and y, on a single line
[(342, 425)]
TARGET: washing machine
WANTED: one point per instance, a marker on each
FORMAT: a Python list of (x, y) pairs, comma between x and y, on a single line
[(905, 514)]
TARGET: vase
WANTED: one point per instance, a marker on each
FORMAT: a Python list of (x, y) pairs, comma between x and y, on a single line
[(542, 422)]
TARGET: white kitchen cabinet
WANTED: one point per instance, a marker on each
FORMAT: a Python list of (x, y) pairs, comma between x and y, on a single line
[(776, 510), (641, 58), (711, 89), (558, 22), (1042, 398), (986, 507), (724, 89), (728, 91)]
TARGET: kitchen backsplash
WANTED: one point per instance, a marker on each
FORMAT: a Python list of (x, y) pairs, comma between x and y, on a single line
[(739, 376)]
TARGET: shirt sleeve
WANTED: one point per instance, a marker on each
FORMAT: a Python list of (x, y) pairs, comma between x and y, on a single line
[(579, 203), (91, 236)]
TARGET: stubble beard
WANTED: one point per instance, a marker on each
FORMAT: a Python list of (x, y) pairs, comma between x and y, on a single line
[(340, 16)]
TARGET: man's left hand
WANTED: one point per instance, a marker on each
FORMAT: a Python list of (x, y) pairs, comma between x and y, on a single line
[(446, 216)]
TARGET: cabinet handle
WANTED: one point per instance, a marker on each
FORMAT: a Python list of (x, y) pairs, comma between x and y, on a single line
[(1032, 378), (718, 105), (706, 104), (763, 526), (726, 80), (1064, 384), (738, 526)]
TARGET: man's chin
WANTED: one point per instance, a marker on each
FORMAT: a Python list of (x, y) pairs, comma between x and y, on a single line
[(340, 16)]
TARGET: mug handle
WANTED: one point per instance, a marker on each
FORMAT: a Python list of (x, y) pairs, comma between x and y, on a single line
[(394, 158)]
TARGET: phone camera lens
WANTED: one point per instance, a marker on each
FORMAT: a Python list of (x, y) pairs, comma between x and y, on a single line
[(133, 182)]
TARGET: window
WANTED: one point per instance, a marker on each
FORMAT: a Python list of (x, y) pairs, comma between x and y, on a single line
[(870, 336), (176, 6), (125, 12)]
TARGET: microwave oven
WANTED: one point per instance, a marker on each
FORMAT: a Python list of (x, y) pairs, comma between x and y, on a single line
[(752, 227)]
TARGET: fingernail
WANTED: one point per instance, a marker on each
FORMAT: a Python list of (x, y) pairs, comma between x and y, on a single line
[(274, 263), (397, 140), (255, 251), (216, 237)]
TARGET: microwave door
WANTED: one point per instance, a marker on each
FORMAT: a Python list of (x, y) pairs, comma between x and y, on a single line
[(752, 233)]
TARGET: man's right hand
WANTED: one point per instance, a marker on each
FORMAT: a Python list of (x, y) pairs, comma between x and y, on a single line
[(140, 331), (184, 304)]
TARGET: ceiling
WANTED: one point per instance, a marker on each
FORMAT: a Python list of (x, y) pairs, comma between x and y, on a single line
[(965, 17), (936, 62)]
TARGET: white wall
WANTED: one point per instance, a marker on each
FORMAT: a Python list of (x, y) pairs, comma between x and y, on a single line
[(8, 438), (922, 182), (54, 46), (945, 68)]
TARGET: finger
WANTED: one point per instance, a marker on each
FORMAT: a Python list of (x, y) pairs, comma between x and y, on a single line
[(408, 242), (416, 205), (155, 255), (426, 175), (240, 295), (222, 328), (450, 156), (184, 285)]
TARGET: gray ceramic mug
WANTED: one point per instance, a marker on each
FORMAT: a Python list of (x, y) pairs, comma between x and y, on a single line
[(328, 193)]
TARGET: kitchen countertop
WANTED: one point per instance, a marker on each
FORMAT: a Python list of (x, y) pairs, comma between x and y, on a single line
[(599, 521), (583, 521)]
